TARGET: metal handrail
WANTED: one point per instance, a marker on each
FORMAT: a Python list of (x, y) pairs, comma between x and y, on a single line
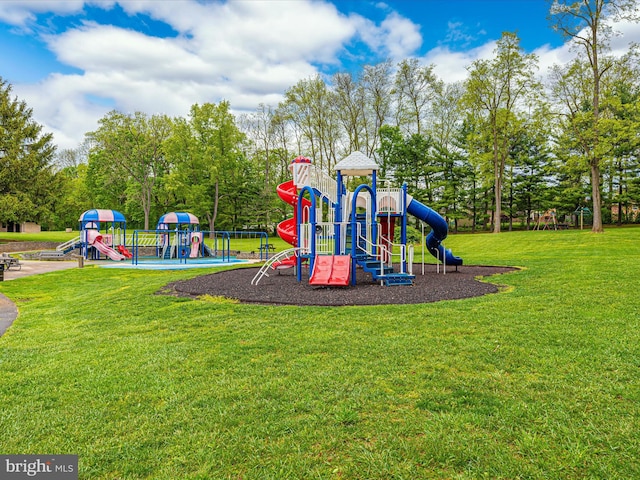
[(68, 243), (277, 257)]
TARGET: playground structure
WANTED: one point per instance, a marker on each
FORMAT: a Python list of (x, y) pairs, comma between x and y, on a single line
[(547, 220), (93, 242), (337, 231), (177, 237)]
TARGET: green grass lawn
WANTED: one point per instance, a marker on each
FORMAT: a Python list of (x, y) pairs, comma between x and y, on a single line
[(539, 381)]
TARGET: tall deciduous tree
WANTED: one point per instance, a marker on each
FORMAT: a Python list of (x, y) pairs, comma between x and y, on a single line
[(131, 147), (261, 128), (348, 101), (376, 81), (27, 182), (495, 90), (586, 22), (414, 90), (308, 106), (204, 149)]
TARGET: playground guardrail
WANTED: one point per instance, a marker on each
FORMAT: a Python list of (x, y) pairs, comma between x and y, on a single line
[(68, 244), (263, 272)]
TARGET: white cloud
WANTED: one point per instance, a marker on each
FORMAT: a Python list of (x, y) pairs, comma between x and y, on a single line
[(246, 52), (457, 33), (548, 57), (21, 12), (452, 66), (401, 36)]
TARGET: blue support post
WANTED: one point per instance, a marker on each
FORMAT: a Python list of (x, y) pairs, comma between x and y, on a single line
[(403, 230), (312, 220), (338, 215)]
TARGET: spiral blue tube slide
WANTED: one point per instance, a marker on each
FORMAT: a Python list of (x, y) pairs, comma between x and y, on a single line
[(439, 230)]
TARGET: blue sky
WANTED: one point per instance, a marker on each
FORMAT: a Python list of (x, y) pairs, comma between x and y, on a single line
[(73, 61)]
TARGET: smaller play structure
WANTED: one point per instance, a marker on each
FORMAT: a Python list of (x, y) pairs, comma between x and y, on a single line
[(337, 231), (102, 232), (180, 236)]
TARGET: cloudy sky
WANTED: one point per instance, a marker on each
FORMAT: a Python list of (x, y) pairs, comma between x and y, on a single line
[(72, 60)]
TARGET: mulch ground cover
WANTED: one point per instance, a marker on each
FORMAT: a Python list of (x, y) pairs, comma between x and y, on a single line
[(282, 288)]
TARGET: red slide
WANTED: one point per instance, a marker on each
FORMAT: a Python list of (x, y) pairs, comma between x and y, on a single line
[(286, 229), (123, 251), (333, 270), (94, 238)]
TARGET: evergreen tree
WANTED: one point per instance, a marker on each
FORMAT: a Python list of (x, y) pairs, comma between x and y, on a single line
[(28, 186)]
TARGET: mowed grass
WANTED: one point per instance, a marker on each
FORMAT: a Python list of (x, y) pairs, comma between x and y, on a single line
[(541, 380)]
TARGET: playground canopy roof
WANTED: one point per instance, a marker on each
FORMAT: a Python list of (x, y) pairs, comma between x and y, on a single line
[(179, 218), (356, 164), (97, 215)]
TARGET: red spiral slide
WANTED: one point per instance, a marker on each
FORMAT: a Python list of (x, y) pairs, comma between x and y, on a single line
[(286, 229)]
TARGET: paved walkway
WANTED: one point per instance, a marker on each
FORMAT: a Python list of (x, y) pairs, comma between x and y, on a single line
[(8, 313), (8, 309)]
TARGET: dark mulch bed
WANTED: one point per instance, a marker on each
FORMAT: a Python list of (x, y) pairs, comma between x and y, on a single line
[(283, 288)]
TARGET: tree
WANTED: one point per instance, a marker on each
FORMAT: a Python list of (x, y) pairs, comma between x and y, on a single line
[(444, 130), (261, 128), (495, 90), (348, 101), (131, 147), (376, 81), (531, 166), (414, 91), (585, 22), (622, 103), (408, 159), (205, 151), (27, 182), (74, 197), (308, 105)]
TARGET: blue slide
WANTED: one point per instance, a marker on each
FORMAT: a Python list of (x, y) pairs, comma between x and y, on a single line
[(438, 233)]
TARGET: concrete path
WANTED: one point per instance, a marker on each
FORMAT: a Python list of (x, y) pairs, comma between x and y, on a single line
[(34, 267), (8, 309), (8, 313)]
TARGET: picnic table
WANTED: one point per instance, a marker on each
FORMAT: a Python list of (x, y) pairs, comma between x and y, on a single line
[(267, 247), (8, 263)]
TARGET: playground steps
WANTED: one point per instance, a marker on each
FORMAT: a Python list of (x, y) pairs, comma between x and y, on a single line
[(396, 279), (384, 274)]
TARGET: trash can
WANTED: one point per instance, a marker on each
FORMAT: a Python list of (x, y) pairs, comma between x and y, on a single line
[(2, 272)]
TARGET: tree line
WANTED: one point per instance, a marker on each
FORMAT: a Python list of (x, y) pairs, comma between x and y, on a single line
[(487, 153)]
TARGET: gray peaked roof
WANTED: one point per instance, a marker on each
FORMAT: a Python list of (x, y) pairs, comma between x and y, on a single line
[(356, 164)]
